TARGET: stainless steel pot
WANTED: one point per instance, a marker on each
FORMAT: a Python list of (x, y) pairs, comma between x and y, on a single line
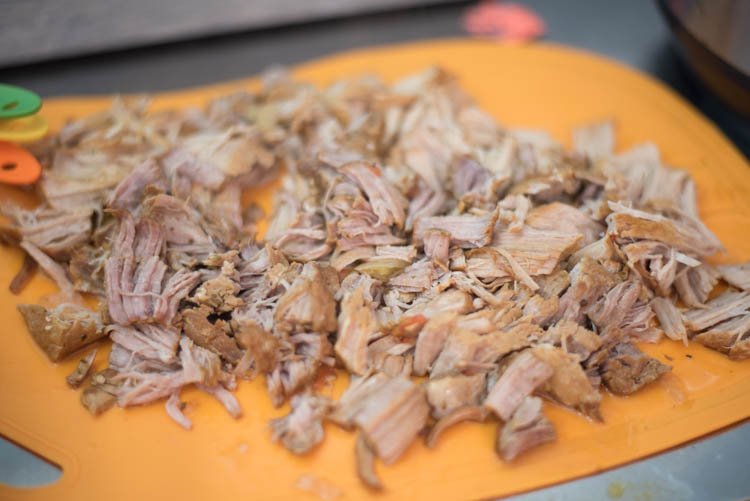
[(714, 38)]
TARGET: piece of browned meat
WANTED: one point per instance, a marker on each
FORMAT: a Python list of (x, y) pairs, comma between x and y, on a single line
[(176, 288), (727, 337), (357, 324), (129, 192), (62, 330), (470, 181), (51, 268), (558, 217), (392, 416), (391, 355), (431, 340), (686, 234), (589, 281), (365, 459), (541, 310), (24, 275), (210, 335), (573, 338), (197, 365), (496, 262), (526, 429), (595, 140), (695, 284), (736, 275), (220, 293), (417, 277), (448, 393), (299, 359), (520, 379), (489, 320), (553, 285), (728, 305), (174, 408), (101, 392), (181, 224), (640, 324), (383, 268), (627, 369), (513, 211), (54, 231), (343, 260), (465, 231), (302, 428), (612, 309), (308, 305), (147, 341), (134, 270), (740, 350), (537, 252), (388, 204), (657, 264), (451, 300), (78, 376), (568, 384), (437, 246), (352, 400), (457, 415), (260, 344), (468, 352), (86, 269), (670, 319)]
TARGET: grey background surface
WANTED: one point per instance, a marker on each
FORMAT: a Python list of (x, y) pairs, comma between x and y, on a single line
[(630, 31), (45, 29)]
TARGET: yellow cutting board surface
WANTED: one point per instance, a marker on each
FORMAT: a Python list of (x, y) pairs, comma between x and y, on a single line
[(140, 454)]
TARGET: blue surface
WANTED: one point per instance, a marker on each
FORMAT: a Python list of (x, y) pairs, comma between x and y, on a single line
[(20, 468)]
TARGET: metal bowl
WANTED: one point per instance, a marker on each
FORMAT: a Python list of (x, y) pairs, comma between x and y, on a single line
[(713, 36)]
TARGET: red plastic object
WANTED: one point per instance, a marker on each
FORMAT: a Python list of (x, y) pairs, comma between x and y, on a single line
[(504, 21)]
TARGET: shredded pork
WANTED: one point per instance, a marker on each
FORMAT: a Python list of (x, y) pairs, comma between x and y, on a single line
[(412, 236)]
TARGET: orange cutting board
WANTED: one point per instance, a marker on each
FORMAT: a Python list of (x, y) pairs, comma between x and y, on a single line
[(140, 454)]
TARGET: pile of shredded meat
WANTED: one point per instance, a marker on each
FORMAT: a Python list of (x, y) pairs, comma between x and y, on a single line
[(412, 236)]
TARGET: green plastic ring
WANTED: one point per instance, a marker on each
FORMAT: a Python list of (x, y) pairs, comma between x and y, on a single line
[(17, 102)]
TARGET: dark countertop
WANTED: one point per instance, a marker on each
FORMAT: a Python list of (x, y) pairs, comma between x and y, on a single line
[(629, 31)]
